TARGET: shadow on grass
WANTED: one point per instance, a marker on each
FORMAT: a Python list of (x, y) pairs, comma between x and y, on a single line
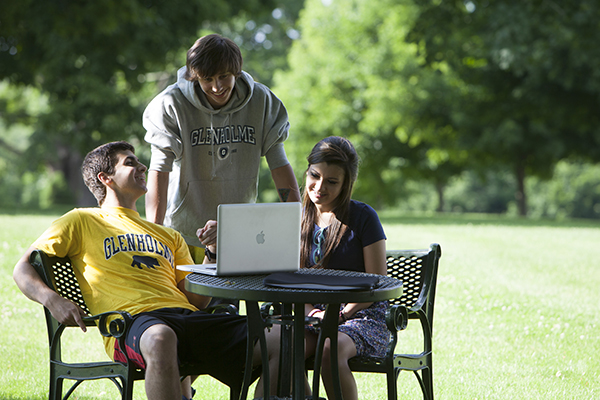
[(395, 217), (5, 396)]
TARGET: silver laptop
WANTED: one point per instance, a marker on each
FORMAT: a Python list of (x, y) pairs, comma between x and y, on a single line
[(255, 238)]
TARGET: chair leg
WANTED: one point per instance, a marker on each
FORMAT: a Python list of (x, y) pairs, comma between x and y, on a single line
[(56, 385), (126, 388), (428, 382), (234, 393), (425, 379), (72, 389), (392, 383)]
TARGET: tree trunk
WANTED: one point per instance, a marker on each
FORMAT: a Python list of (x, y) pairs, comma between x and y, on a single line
[(520, 196), (70, 165), (439, 187)]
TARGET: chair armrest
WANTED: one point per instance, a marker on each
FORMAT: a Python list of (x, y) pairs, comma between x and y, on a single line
[(222, 308), (111, 323), (270, 308), (272, 313), (396, 318)]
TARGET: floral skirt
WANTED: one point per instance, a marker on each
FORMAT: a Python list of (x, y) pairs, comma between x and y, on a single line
[(366, 328)]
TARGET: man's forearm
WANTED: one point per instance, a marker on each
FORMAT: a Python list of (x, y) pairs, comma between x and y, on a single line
[(29, 282), (286, 184), (201, 302), (34, 288), (156, 197)]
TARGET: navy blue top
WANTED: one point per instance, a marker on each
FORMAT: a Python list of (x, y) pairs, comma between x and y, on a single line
[(365, 229)]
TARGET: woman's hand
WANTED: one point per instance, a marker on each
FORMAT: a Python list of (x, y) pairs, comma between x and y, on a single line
[(316, 313), (320, 314)]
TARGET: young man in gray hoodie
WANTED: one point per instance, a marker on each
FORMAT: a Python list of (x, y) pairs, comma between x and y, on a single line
[(208, 132)]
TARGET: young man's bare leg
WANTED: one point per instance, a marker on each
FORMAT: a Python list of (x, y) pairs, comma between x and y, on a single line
[(158, 346), (186, 386)]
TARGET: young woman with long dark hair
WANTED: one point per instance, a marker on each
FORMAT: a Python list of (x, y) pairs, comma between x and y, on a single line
[(341, 233)]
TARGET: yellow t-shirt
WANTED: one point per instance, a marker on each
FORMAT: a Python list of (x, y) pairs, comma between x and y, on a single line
[(121, 261)]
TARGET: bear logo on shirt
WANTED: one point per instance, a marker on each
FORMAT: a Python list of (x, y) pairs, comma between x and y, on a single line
[(149, 262)]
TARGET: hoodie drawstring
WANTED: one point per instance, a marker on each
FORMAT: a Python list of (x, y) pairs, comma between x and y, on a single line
[(213, 174)]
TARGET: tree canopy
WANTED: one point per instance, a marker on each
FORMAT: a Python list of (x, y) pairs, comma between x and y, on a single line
[(90, 57), (353, 74), (530, 81), (427, 88), (97, 63)]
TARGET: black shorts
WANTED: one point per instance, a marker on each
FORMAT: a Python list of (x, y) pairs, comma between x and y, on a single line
[(216, 343)]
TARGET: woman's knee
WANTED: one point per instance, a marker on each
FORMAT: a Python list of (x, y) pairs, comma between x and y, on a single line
[(346, 349)]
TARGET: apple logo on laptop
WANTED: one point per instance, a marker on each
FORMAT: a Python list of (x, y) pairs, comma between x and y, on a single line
[(260, 238)]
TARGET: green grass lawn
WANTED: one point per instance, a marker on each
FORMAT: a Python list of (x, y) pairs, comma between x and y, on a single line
[(516, 313)]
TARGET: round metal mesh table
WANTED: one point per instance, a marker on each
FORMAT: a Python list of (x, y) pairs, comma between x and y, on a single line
[(252, 289)]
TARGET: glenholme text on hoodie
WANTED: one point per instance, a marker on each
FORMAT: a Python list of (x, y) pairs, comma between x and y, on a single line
[(213, 156)]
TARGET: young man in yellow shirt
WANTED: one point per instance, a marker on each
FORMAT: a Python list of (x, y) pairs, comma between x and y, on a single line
[(123, 262)]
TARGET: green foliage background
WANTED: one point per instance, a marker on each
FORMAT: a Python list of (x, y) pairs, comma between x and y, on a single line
[(453, 106)]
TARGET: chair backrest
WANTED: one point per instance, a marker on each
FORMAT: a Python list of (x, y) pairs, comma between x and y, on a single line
[(58, 274), (417, 269)]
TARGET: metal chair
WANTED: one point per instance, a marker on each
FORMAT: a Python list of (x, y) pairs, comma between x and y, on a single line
[(58, 274), (417, 269)]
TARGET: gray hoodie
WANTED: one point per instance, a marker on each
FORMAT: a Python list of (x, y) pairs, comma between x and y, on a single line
[(213, 156)]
